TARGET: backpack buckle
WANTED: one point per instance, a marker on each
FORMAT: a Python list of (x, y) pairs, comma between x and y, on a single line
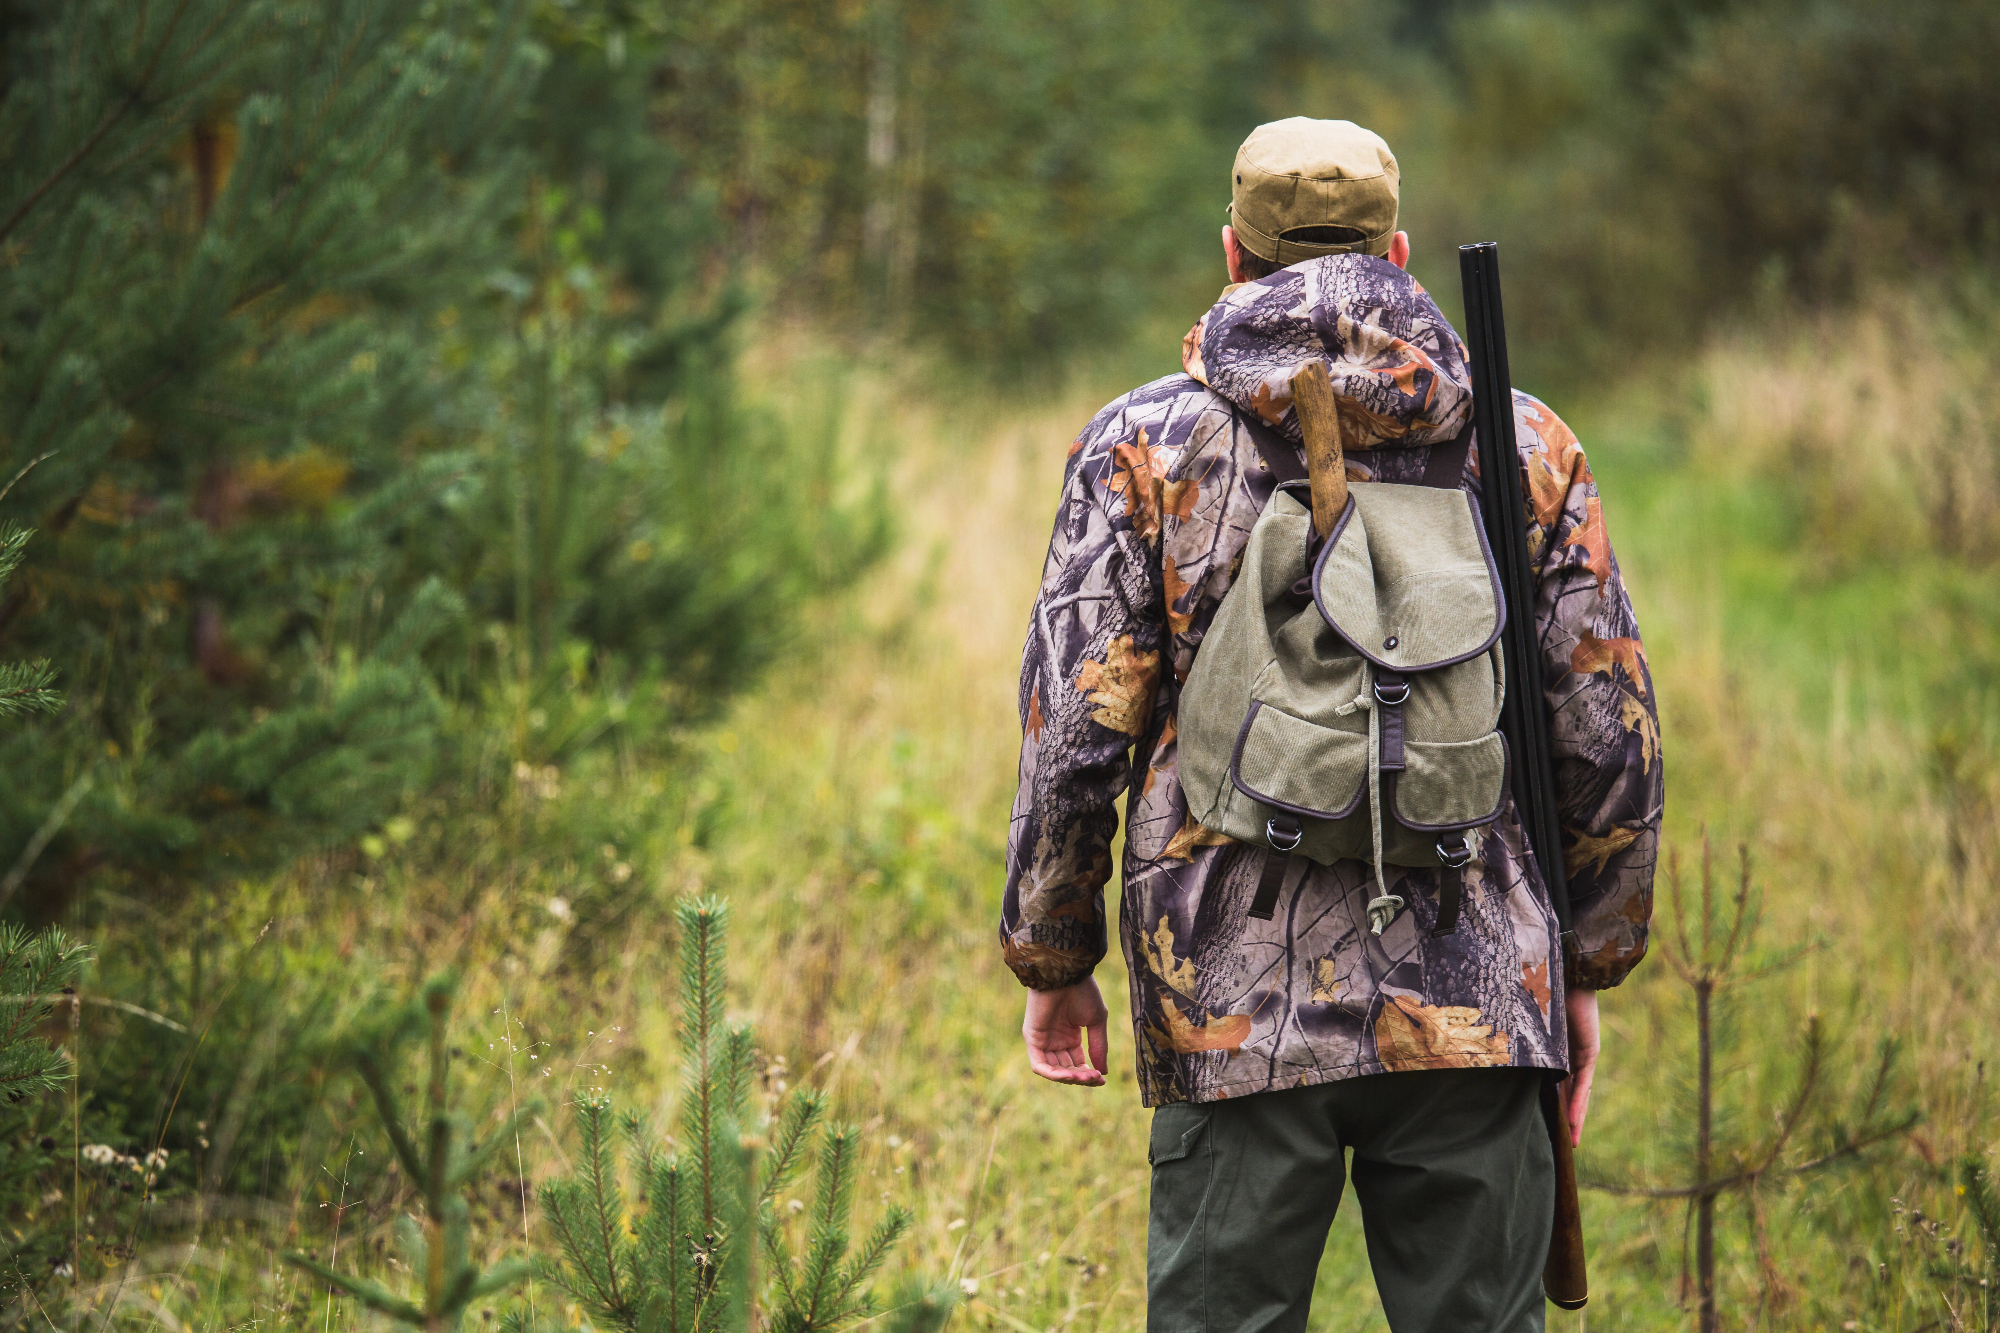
[(1286, 836), (1400, 688), (1455, 857)]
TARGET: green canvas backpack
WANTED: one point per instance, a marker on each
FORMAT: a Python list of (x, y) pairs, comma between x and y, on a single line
[(1345, 702)]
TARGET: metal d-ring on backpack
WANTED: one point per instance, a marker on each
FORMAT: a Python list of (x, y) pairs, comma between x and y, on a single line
[(1346, 700)]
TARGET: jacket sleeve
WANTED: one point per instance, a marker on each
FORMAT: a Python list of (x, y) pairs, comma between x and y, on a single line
[(1089, 676), (1610, 784)]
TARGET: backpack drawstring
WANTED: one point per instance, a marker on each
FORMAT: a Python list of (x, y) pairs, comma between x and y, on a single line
[(1382, 909)]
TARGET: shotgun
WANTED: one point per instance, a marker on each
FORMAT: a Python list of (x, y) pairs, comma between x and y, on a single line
[(1524, 714)]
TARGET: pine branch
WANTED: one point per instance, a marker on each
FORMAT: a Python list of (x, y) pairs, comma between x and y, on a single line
[(638, 1130), (370, 1293), (802, 1114), (27, 687), (771, 1232), (703, 964), (6, 565), (438, 1251), (1743, 920), (1852, 1145), (96, 136), (887, 1233), (1979, 1197), (671, 1247), (584, 1271), (827, 1245), (587, 1216), (32, 967), (1789, 1118), (386, 1108), (607, 1201)]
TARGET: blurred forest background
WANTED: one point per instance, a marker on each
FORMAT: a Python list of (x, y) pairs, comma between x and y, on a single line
[(491, 468)]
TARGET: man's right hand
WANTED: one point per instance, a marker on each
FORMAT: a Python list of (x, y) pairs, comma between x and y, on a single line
[(1055, 1028)]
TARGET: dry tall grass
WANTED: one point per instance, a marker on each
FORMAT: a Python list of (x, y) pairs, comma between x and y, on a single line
[(1884, 418)]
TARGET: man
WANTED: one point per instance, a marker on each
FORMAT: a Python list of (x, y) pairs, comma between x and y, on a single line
[(1254, 1036)]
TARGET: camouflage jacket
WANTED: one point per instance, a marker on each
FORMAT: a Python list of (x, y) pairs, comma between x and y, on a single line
[(1161, 492)]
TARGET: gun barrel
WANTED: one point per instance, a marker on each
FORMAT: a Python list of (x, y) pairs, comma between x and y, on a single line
[(1524, 715)]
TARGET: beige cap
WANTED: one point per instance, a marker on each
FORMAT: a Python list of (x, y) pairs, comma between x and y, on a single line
[(1299, 174)]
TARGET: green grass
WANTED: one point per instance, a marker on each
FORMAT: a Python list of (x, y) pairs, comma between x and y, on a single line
[(853, 807)]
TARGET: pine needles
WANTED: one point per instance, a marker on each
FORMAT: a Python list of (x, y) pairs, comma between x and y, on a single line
[(686, 1266), (25, 687)]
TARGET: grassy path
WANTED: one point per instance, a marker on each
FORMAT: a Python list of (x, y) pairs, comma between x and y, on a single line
[(871, 779)]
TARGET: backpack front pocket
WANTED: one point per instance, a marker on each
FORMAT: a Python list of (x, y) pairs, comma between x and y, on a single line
[(1450, 784), (1291, 764)]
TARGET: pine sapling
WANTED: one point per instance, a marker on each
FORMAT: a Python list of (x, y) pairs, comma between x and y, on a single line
[(439, 1159), (1711, 961), (685, 1267)]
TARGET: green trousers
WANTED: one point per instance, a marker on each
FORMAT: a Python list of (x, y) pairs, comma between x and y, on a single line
[(1456, 1182)]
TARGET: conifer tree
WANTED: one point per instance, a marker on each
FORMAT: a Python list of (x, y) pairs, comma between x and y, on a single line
[(686, 1267), (225, 225), (358, 352), (439, 1159), (1714, 955)]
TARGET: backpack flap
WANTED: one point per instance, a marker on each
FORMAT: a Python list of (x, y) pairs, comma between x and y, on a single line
[(1408, 580)]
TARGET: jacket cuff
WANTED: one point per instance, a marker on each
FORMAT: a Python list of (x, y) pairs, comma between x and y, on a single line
[(1602, 970), (1039, 967), (1037, 983)]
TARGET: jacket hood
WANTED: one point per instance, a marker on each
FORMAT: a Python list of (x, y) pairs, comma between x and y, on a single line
[(1398, 368)]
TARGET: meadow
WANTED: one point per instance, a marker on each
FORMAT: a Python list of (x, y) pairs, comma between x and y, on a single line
[(488, 473), (1827, 705)]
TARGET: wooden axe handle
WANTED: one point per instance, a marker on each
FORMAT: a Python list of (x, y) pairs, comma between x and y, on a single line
[(1319, 423)]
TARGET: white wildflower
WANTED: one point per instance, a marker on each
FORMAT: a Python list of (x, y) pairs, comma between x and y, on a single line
[(969, 1285), (103, 1154)]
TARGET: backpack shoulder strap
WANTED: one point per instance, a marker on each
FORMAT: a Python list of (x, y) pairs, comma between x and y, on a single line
[(1285, 459), (1444, 467), (1444, 470)]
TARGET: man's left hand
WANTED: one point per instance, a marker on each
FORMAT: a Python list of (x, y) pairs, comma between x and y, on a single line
[(1065, 1033)]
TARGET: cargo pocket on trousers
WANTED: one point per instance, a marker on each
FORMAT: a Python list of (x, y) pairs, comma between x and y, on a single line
[(1177, 1128), (1180, 1152)]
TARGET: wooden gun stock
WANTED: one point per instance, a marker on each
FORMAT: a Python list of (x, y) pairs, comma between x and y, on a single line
[(1564, 1279)]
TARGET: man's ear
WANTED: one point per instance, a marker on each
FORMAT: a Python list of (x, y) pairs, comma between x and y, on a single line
[(1399, 250), (1232, 254)]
